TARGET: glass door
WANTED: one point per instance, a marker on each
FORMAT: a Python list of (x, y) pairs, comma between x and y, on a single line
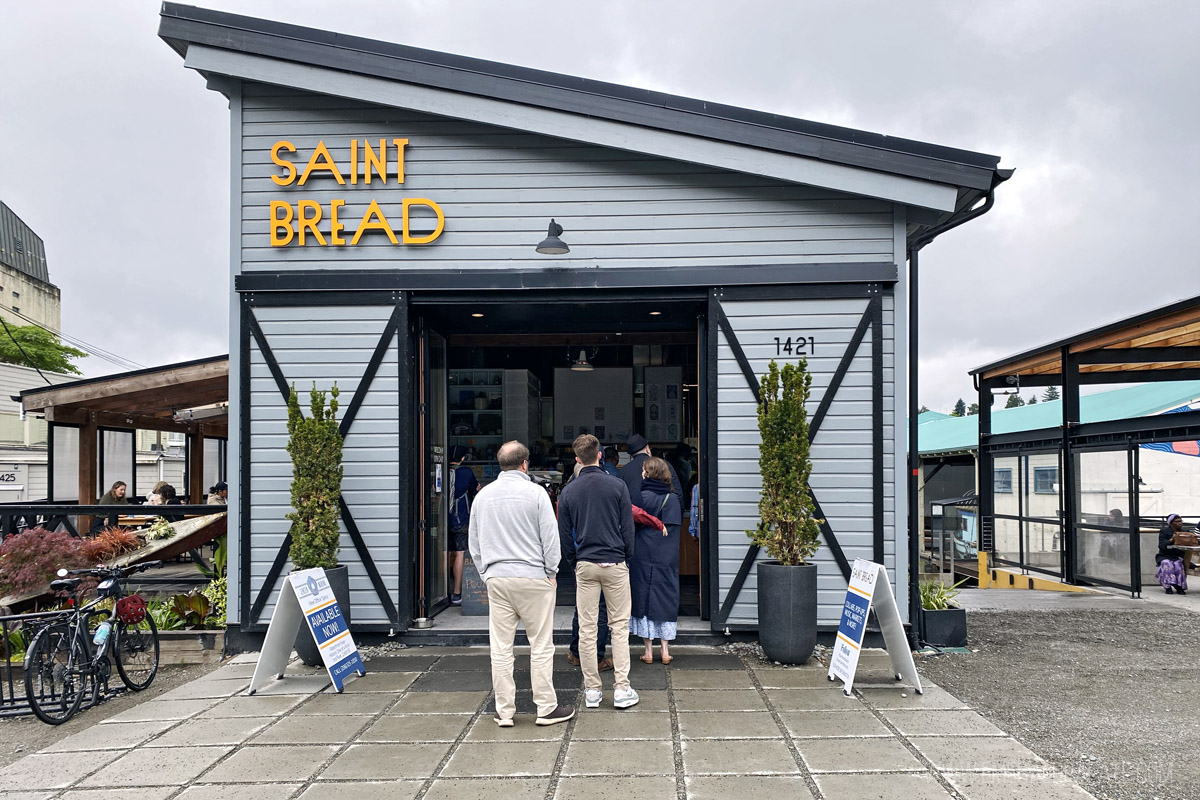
[(433, 530)]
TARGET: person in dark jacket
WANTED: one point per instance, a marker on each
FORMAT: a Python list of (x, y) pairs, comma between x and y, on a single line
[(167, 493), (596, 507), (631, 473), (463, 488), (113, 497), (1172, 575), (654, 571)]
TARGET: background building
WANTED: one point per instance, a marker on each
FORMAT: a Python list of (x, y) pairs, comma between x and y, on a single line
[(27, 297)]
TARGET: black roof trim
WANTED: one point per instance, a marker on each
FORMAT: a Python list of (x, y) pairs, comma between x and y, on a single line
[(116, 376), (1111, 327), (566, 278), (181, 25)]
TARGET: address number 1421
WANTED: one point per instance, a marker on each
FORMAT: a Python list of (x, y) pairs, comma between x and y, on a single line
[(798, 345)]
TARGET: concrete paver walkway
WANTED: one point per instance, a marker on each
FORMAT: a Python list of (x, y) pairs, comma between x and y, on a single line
[(420, 726)]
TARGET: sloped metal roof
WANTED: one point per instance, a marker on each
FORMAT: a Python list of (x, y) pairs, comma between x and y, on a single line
[(181, 26), (961, 434)]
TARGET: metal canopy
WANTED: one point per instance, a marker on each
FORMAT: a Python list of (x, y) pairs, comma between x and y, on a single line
[(1158, 346), (1163, 340)]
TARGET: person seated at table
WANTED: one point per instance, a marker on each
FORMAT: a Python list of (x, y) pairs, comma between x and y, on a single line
[(218, 495), (113, 497), (154, 498), (167, 493), (1172, 575)]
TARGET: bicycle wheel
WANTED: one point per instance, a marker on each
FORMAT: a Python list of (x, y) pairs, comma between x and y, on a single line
[(53, 682), (136, 652)]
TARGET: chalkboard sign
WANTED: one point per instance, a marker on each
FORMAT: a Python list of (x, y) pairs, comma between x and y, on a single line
[(474, 590)]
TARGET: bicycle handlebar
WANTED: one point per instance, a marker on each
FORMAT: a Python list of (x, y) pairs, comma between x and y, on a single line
[(121, 572)]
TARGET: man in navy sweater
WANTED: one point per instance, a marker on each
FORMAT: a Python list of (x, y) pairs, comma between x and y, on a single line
[(597, 508)]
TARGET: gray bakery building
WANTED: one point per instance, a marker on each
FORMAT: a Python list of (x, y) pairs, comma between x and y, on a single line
[(391, 231)]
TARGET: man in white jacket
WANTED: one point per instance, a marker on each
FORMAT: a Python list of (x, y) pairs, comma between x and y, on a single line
[(514, 544)]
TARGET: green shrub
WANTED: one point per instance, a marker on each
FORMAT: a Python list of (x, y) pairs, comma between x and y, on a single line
[(788, 529), (315, 445), (937, 596), (216, 594)]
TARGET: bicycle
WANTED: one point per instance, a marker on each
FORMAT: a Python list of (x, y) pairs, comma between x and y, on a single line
[(69, 658)]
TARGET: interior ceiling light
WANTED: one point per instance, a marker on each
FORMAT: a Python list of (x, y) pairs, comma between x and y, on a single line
[(581, 364), (656, 313), (552, 245), (477, 315)]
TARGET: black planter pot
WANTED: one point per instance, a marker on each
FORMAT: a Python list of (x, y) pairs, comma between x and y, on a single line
[(946, 628), (787, 611), (306, 646)]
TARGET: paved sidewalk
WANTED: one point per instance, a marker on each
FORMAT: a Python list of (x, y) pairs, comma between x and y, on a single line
[(420, 726)]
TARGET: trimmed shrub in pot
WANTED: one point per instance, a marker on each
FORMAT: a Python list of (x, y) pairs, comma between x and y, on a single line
[(788, 530), (315, 445)]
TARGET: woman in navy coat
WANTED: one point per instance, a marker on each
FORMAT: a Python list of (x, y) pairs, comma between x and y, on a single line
[(654, 569)]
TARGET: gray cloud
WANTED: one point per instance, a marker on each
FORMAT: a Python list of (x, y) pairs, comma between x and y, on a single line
[(117, 155)]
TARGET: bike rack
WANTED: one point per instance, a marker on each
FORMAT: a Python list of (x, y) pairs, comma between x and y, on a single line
[(13, 702)]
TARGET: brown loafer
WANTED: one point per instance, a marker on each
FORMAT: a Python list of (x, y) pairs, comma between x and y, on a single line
[(604, 665), (572, 659)]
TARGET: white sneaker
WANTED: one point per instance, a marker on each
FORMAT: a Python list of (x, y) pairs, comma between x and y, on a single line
[(624, 698), (592, 698)]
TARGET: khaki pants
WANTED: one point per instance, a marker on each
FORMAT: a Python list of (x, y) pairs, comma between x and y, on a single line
[(591, 580), (528, 600)]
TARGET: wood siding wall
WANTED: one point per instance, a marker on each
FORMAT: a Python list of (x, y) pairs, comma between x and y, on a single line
[(499, 188), (842, 450), (327, 345)]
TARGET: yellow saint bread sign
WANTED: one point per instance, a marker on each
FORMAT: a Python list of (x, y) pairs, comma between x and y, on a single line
[(300, 222)]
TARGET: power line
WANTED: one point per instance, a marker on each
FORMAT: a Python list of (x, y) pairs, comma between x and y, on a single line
[(90, 349), (22, 349), (94, 350)]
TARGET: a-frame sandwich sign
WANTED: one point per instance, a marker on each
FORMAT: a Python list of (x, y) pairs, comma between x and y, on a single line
[(869, 588), (307, 599)]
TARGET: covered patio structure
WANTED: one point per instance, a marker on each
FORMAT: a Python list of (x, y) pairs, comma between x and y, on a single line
[(1083, 501), (93, 425)]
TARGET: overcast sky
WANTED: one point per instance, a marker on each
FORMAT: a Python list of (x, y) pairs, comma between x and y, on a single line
[(118, 157)]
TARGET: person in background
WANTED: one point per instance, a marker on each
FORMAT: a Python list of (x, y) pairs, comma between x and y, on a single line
[(694, 516), (602, 664), (514, 542), (1171, 574), (463, 488), (115, 496), (218, 495), (612, 461), (631, 473), (167, 492), (681, 461), (654, 570), (595, 526), (640, 517)]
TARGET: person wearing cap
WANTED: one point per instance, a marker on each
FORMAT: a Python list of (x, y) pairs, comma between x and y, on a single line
[(463, 487), (631, 473), (218, 495)]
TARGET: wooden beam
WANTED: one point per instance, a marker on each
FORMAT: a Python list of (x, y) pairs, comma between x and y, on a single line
[(1046, 363), (196, 468), (180, 381), (87, 471), (1183, 318)]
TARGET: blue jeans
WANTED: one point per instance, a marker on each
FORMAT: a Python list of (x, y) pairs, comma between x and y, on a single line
[(601, 632)]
